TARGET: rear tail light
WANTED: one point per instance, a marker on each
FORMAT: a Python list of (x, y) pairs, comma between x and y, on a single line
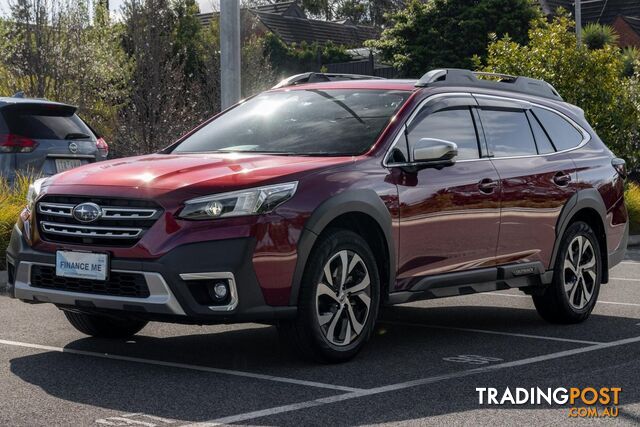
[(102, 145), (12, 143), (620, 166)]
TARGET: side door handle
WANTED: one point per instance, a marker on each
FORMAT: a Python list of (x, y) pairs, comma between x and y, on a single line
[(488, 185), (562, 179)]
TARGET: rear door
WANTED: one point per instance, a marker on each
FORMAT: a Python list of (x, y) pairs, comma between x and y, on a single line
[(59, 139), (536, 179)]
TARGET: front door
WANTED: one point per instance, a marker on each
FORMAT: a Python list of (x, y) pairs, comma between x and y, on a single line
[(449, 217)]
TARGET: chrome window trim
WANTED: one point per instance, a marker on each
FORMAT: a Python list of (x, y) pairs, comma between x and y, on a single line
[(233, 302), (586, 137)]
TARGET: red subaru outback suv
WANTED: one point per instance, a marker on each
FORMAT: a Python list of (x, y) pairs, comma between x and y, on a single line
[(311, 205)]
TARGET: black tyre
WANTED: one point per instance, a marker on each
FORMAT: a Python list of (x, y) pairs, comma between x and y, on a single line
[(577, 273), (103, 326), (339, 298)]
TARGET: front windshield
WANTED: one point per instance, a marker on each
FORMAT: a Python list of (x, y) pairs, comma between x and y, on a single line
[(300, 122)]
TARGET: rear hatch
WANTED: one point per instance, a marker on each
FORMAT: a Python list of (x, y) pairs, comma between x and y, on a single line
[(47, 139)]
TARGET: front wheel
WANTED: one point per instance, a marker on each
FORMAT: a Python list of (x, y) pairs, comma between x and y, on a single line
[(339, 297), (103, 326), (574, 290)]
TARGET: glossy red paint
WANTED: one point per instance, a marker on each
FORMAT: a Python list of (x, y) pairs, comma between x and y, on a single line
[(441, 221)]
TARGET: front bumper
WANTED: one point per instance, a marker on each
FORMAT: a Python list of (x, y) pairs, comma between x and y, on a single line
[(170, 280)]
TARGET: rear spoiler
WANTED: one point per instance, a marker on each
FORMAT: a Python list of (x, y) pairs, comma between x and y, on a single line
[(42, 108)]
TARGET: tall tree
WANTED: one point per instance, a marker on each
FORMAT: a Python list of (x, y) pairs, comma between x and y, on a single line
[(52, 49), (154, 115), (448, 33)]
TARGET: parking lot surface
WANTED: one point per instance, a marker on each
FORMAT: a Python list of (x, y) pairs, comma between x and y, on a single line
[(422, 367)]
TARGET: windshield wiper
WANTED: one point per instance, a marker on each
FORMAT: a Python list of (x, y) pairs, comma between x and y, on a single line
[(77, 135), (340, 103)]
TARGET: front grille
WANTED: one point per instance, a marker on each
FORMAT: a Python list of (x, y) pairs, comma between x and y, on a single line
[(119, 284), (121, 224)]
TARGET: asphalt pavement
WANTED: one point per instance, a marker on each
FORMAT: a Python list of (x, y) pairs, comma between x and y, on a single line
[(422, 367)]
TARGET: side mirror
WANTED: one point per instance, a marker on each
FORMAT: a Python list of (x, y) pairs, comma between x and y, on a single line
[(432, 152)]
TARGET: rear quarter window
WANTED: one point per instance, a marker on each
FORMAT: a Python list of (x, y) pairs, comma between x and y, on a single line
[(562, 133), (44, 125)]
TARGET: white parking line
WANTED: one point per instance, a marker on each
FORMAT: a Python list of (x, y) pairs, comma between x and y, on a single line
[(180, 366), (400, 386), (625, 279), (527, 296), (484, 331)]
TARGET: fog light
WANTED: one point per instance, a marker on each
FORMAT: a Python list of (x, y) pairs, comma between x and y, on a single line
[(220, 291)]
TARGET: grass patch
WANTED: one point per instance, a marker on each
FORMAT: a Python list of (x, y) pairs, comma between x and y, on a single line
[(12, 201), (632, 199)]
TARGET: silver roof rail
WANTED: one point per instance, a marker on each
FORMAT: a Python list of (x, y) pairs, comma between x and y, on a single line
[(312, 77), (506, 82)]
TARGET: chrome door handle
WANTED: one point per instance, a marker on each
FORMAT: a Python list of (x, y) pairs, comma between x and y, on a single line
[(562, 179), (488, 185)]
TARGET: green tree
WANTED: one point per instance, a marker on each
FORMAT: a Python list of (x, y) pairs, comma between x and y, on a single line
[(287, 60), (448, 33), (591, 79), (52, 49), (189, 43), (597, 36)]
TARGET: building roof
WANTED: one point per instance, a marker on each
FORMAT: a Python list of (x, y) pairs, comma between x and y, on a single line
[(290, 8), (634, 22), (601, 11), (289, 22), (292, 29)]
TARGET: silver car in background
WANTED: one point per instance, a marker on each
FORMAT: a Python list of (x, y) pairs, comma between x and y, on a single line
[(42, 138)]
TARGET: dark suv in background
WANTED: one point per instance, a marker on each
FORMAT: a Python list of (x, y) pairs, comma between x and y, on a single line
[(42, 138), (311, 205)]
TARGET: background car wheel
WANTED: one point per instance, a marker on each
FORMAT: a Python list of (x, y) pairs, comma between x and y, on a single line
[(576, 278), (104, 327), (339, 297)]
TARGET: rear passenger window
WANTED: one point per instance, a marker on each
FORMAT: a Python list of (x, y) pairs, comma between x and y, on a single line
[(508, 133), (542, 139), (562, 133), (455, 125), (42, 125)]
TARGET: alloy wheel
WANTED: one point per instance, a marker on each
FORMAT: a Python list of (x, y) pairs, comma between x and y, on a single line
[(343, 298), (580, 272)]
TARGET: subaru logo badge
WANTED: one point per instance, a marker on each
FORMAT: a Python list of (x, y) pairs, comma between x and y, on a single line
[(73, 147), (87, 212)]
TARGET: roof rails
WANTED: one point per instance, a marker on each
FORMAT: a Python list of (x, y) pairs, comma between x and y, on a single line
[(321, 77), (458, 77)]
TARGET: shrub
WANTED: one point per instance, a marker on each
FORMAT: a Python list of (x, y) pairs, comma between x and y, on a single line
[(12, 201), (597, 36), (632, 199), (591, 79)]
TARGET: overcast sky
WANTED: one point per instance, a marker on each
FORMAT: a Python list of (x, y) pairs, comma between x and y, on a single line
[(114, 5)]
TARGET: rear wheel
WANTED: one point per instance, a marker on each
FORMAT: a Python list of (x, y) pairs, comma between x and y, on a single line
[(103, 326), (339, 298), (576, 280)]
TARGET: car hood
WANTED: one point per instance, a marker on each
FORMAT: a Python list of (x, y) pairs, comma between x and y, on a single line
[(195, 173)]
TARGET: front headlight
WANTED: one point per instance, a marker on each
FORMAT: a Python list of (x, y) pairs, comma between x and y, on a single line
[(34, 192), (239, 203)]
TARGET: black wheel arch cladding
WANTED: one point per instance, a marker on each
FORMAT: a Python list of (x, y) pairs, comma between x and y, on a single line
[(583, 199), (363, 201)]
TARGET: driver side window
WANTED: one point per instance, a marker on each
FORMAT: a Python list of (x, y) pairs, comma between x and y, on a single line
[(455, 125)]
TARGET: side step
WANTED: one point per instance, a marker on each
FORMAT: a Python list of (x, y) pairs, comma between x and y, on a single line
[(491, 279)]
